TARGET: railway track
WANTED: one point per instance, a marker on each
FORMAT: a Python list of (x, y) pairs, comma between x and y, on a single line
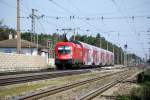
[(16, 79), (103, 88), (48, 92)]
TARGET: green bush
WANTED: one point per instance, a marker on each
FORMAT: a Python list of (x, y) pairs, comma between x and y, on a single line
[(144, 77), (140, 77), (142, 93)]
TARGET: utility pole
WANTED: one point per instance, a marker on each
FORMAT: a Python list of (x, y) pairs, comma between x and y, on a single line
[(125, 57), (107, 45), (148, 43), (74, 34), (107, 42), (33, 16), (121, 57), (100, 42), (113, 53), (113, 49), (125, 54), (118, 56), (149, 47), (75, 31), (18, 28)]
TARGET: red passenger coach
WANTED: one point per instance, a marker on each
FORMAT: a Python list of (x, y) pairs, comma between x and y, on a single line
[(79, 53)]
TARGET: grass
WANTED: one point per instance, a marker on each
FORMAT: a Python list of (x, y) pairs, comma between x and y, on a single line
[(7, 92)]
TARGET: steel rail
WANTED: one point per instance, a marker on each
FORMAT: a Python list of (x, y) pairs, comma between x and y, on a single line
[(101, 89), (34, 77), (44, 93)]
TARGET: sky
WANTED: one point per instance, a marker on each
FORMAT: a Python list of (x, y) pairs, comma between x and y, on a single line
[(119, 21)]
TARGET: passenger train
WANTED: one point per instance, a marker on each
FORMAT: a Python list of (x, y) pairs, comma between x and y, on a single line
[(76, 53)]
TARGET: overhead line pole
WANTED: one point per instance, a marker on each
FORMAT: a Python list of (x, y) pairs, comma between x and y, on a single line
[(74, 34), (148, 44), (18, 28), (33, 25), (118, 53), (121, 57), (33, 17), (113, 49), (100, 42), (107, 43)]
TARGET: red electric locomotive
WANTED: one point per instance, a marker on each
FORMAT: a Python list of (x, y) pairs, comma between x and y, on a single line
[(68, 54)]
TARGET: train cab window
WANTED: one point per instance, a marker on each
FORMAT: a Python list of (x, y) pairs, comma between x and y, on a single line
[(64, 49)]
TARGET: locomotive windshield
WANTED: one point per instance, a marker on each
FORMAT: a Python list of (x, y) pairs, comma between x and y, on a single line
[(64, 49)]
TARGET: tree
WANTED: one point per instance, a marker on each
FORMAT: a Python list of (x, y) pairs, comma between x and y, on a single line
[(26, 36), (98, 35), (5, 31)]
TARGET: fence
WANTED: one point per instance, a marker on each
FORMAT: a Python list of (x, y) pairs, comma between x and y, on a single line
[(20, 62)]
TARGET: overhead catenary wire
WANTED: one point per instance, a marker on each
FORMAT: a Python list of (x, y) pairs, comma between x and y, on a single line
[(74, 6), (96, 18), (134, 26), (127, 20), (11, 6), (71, 13), (7, 4), (23, 6), (61, 6), (41, 26)]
